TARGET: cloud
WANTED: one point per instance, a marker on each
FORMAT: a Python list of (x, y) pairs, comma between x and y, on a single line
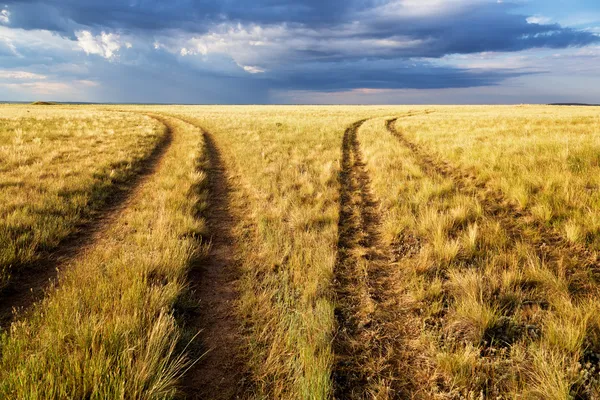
[(7, 48), (361, 47), (435, 27), (466, 27), (86, 82), (187, 15), (386, 74), (20, 75), (253, 69), (400, 29), (4, 17), (105, 44), (539, 20), (21, 48), (39, 88)]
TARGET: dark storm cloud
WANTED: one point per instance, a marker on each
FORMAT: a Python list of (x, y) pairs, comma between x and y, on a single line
[(386, 74), (470, 27), (187, 15), (477, 27), (317, 45), (161, 78)]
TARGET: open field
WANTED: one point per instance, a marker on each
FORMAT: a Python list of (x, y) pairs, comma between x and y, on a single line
[(60, 170), (302, 252), (107, 330)]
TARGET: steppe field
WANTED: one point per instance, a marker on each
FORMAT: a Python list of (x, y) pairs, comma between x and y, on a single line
[(299, 252)]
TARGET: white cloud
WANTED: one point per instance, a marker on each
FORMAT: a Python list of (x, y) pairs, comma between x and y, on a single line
[(8, 47), (39, 88), (87, 83), (253, 69), (409, 9), (38, 41), (539, 19), (579, 62), (420, 8), (20, 75), (4, 16), (66, 90), (488, 61), (105, 44)]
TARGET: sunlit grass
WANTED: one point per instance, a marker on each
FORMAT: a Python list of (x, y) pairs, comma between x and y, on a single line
[(56, 168), (546, 158), (495, 318), (107, 330), (286, 164), (502, 321)]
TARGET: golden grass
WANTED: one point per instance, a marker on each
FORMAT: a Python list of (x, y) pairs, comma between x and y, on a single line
[(107, 330), (468, 200), (543, 157), (504, 317), (286, 164), (57, 168)]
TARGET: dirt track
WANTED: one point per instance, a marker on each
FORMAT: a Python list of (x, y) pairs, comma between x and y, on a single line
[(30, 282), (372, 355), (580, 264), (220, 372)]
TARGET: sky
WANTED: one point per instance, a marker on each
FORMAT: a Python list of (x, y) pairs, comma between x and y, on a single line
[(301, 52)]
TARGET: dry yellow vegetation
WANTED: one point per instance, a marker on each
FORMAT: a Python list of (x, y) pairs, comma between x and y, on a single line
[(108, 330), (545, 158), (285, 160), (57, 167), (508, 307), (379, 252)]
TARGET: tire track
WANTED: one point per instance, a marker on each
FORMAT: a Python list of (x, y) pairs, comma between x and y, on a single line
[(576, 265), (373, 357), (581, 265), (220, 372), (31, 282)]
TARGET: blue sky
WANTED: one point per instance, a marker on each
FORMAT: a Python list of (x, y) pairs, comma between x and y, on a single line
[(304, 51)]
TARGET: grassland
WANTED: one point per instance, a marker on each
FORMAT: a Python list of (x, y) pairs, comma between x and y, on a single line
[(542, 158), (325, 252), (58, 168), (286, 166), (508, 306), (107, 330)]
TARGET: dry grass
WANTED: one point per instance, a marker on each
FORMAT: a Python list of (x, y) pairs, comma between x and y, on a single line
[(489, 214), (107, 330), (505, 316), (545, 158), (285, 161), (57, 168)]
